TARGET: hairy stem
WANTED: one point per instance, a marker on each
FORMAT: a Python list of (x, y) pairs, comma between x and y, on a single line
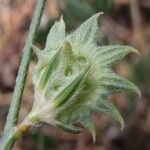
[(10, 132)]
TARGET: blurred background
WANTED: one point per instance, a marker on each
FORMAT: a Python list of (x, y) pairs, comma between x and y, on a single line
[(124, 22)]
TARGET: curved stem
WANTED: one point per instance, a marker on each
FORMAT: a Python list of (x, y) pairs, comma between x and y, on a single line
[(12, 135), (20, 81)]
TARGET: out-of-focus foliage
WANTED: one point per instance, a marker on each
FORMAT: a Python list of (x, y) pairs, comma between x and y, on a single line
[(141, 75), (103, 5), (75, 10)]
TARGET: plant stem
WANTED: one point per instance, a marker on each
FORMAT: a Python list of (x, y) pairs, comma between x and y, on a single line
[(8, 138)]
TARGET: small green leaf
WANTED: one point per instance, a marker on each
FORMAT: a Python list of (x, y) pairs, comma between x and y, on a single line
[(68, 58), (68, 128), (68, 53), (109, 55), (56, 36), (48, 70), (89, 125), (114, 83), (103, 105), (86, 32)]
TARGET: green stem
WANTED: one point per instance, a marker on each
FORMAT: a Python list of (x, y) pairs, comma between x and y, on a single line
[(12, 117), (9, 138), (40, 140)]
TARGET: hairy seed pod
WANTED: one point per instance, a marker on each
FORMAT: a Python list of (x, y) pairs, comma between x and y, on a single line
[(73, 78)]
